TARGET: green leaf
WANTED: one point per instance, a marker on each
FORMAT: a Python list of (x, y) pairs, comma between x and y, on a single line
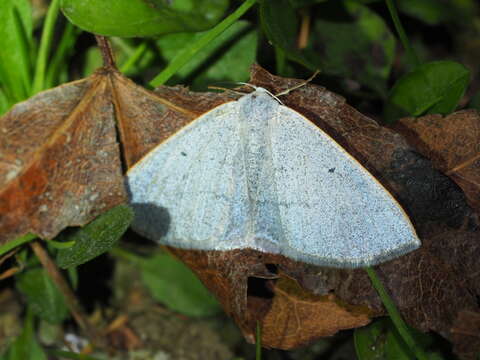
[(356, 45), (42, 295), (431, 88), (26, 347), (4, 103), (227, 58), (24, 9), (15, 35), (96, 237), (381, 341), (16, 242), (279, 22), (129, 18), (175, 285)]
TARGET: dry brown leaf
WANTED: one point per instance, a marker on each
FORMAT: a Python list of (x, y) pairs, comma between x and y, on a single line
[(59, 160), (60, 156), (466, 332), (297, 316), (453, 145), (429, 286)]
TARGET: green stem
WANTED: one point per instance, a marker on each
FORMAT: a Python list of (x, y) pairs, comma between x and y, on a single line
[(395, 315), (17, 242), (139, 51), (280, 60), (45, 42), (58, 60), (188, 52), (60, 245), (24, 51), (401, 33), (258, 342)]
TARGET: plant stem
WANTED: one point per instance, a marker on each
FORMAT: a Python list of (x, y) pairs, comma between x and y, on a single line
[(58, 60), (280, 60), (107, 52), (45, 42), (189, 51), (401, 33), (24, 52), (258, 342), (72, 302), (17, 242), (395, 314), (139, 51)]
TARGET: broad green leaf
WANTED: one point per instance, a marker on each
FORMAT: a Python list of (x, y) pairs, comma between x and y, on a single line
[(280, 24), (15, 35), (359, 46), (227, 58), (96, 237), (431, 88), (42, 295), (175, 285), (129, 18), (26, 347)]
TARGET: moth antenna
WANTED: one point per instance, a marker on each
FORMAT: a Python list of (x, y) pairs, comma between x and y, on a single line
[(303, 83)]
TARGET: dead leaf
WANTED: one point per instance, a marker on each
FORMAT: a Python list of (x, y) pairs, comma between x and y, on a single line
[(296, 316), (466, 331), (60, 161), (60, 155), (453, 145), (429, 287)]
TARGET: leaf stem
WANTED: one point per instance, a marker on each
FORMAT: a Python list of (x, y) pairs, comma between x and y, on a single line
[(258, 341), (280, 60), (139, 51), (401, 33), (189, 51), (45, 42), (72, 302), (395, 314), (17, 242)]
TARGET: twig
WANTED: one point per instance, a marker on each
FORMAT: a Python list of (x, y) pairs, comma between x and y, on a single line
[(107, 52)]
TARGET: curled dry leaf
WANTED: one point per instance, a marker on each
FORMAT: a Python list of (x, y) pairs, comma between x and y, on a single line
[(429, 287), (453, 144), (60, 155)]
